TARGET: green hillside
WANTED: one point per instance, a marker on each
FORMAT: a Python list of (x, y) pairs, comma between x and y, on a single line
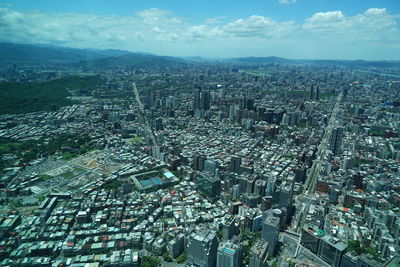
[(18, 98)]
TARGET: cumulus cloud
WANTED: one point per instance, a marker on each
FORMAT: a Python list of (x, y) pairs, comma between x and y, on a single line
[(159, 31), (258, 27), (373, 24)]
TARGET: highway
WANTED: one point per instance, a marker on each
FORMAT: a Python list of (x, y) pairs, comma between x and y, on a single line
[(313, 174), (314, 171), (141, 107)]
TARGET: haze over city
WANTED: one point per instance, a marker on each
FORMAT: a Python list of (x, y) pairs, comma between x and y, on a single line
[(296, 29)]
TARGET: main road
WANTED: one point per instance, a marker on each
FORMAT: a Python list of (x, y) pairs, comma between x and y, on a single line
[(314, 171), (141, 107)]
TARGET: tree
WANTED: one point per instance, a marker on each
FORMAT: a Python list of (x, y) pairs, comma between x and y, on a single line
[(148, 261), (181, 258), (166, 257)]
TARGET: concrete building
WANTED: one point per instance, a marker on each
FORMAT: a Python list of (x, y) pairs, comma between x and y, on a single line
[(310, 237), (259, 254), (336, 140), (211, 186), (331, 250), (228, 255), (228, 229), (201, 247), (270, 232), (175, 246)]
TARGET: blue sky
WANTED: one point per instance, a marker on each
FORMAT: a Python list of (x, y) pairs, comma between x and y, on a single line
[(328, 29)]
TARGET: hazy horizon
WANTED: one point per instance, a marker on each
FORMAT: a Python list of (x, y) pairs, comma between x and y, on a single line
[(361, 30)]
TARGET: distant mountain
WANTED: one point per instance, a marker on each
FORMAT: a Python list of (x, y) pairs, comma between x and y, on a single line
[(133, 60), (331, 62), (261, 60), (46, 54)]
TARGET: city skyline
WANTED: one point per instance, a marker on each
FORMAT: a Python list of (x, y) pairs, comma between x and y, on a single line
[(366, 30)]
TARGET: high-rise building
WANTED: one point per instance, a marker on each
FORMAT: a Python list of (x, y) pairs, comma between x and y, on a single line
[(209, 185), (228, 229), (196, 102), (271, 185), (335, 141), (158, 124), (201, 247), (210, 166), (310, 237), (285, 194), (228, 255), (358, 180), (235, 164), (317, 94), (175, 246), (331, 250), (311, 92), (205, 100), (259, 254), (270, 232), (198, 162)]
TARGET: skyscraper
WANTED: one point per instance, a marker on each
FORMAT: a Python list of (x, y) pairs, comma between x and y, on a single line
[(331, 250), (201, 247), (259, 254), (196, 102), (228, 255), (311, 92), (317, 94), (335, 141), (209, 185), (235, 164), (271, 183), (228, 229), (270, 232), (205, 100)]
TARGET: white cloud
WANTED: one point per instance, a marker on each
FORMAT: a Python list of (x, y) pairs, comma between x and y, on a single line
[(373, 24), (286, 2), (373, 33), (258, 27)]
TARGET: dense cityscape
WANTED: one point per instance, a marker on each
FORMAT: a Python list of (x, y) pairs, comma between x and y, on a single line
[(202, 164), (199, 133)]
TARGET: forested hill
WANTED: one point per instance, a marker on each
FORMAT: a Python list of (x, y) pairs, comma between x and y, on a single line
[(50, 95)]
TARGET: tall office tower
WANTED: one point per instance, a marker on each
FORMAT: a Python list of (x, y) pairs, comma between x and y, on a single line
[(228, 255), (317, 94), (242, 184), (358, 180), (201, 247), (205, 100), (336, 140), (250, 104), (259, 187), (158, 124), (286, 195), (271, 183), (235, 164), (228, 229), (331, 250), (196, 102), (209, 185), (259, 254), (198, 162), (270, 232), (210, 166), (311, 92)]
